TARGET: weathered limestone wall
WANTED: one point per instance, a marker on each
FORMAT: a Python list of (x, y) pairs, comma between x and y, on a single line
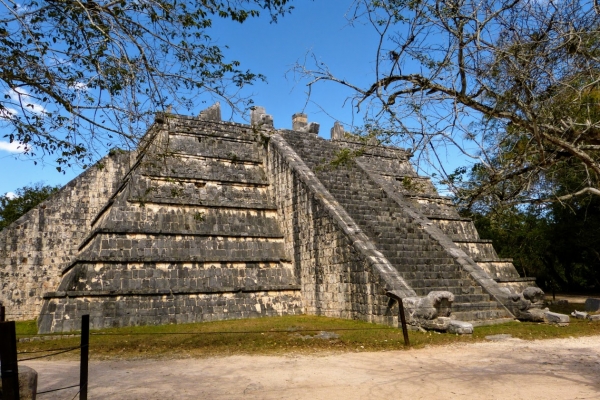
[(107, 311), (35, 248), (341, 273)]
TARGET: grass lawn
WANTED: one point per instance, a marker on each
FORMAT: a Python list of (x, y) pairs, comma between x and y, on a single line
[(277, 335)]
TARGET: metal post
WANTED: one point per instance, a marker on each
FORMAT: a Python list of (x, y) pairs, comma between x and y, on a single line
[(403, 322), (85, 348), (2, 313), (9, 366)]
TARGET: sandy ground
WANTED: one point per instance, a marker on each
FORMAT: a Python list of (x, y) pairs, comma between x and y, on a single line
[(507, 369)]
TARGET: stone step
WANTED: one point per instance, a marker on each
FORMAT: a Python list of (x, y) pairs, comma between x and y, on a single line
[(499, 269), (493, 321), (404, 179), (432, 207), (228, 157), (478, 249), (214, 147), (190, 220), (468, 298), (228, 206), (387, 169), (492, 260), (434, 275), (433, 197), (481, 315), (434, 268), (456, 290), (436, 283), (434, 217), (141, 247), (195, 192), (474, 306), (177, 277), (186, 167), (382, 153), (458, 230), (224, 130)]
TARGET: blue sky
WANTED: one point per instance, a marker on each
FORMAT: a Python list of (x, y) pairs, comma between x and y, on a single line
[(318, 27)]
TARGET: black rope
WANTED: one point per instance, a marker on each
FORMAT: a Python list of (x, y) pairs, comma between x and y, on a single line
[(76, 394), (56, 390), (233, 332), (47, 351), (49, 355)]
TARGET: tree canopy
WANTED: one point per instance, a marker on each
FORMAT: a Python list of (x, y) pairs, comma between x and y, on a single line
[(75, 75), (512, 85), (25, 199)]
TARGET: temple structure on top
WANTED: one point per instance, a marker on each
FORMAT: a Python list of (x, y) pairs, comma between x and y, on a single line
[(211, 220)]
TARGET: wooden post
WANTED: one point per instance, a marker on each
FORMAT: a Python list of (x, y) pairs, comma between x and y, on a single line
[(401, 316), (403, 322), (85, 348), (8, 355)]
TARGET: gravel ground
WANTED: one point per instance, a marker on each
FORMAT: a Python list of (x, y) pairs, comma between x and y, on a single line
[(499, 369)]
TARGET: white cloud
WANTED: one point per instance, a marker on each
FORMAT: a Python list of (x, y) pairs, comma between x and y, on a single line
[(80, 86), (11, 195), (7, 112), (22, 96), (14, 147)]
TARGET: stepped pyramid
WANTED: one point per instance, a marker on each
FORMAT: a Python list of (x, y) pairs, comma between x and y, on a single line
[(211, 220)]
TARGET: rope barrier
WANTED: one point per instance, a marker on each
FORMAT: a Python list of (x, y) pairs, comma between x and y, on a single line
[(47, 351), (56, 390), (243, 332), (49, 355)]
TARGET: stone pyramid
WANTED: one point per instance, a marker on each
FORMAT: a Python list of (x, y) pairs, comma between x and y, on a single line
[(211, 220)]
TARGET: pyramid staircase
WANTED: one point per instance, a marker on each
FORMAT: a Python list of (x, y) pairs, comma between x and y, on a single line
[(422, 196), (383, 220)]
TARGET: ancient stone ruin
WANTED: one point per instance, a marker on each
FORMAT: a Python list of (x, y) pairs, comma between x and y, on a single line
[(211, 220)]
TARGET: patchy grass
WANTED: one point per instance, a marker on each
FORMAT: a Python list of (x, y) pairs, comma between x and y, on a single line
[(26, 327), (278, 335)]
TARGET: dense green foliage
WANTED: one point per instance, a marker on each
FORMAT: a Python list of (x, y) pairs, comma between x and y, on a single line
[(560, 244), (27, 198)]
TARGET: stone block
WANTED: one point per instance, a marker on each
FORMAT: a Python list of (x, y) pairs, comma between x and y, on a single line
[(533, 294), (556, 318), (579, 314), (594, 317), (440, 324), (532, 314), (460, 327), (592, 305), (27, 383)]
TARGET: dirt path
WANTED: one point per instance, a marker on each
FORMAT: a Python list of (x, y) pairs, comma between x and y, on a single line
[(508, 369)]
